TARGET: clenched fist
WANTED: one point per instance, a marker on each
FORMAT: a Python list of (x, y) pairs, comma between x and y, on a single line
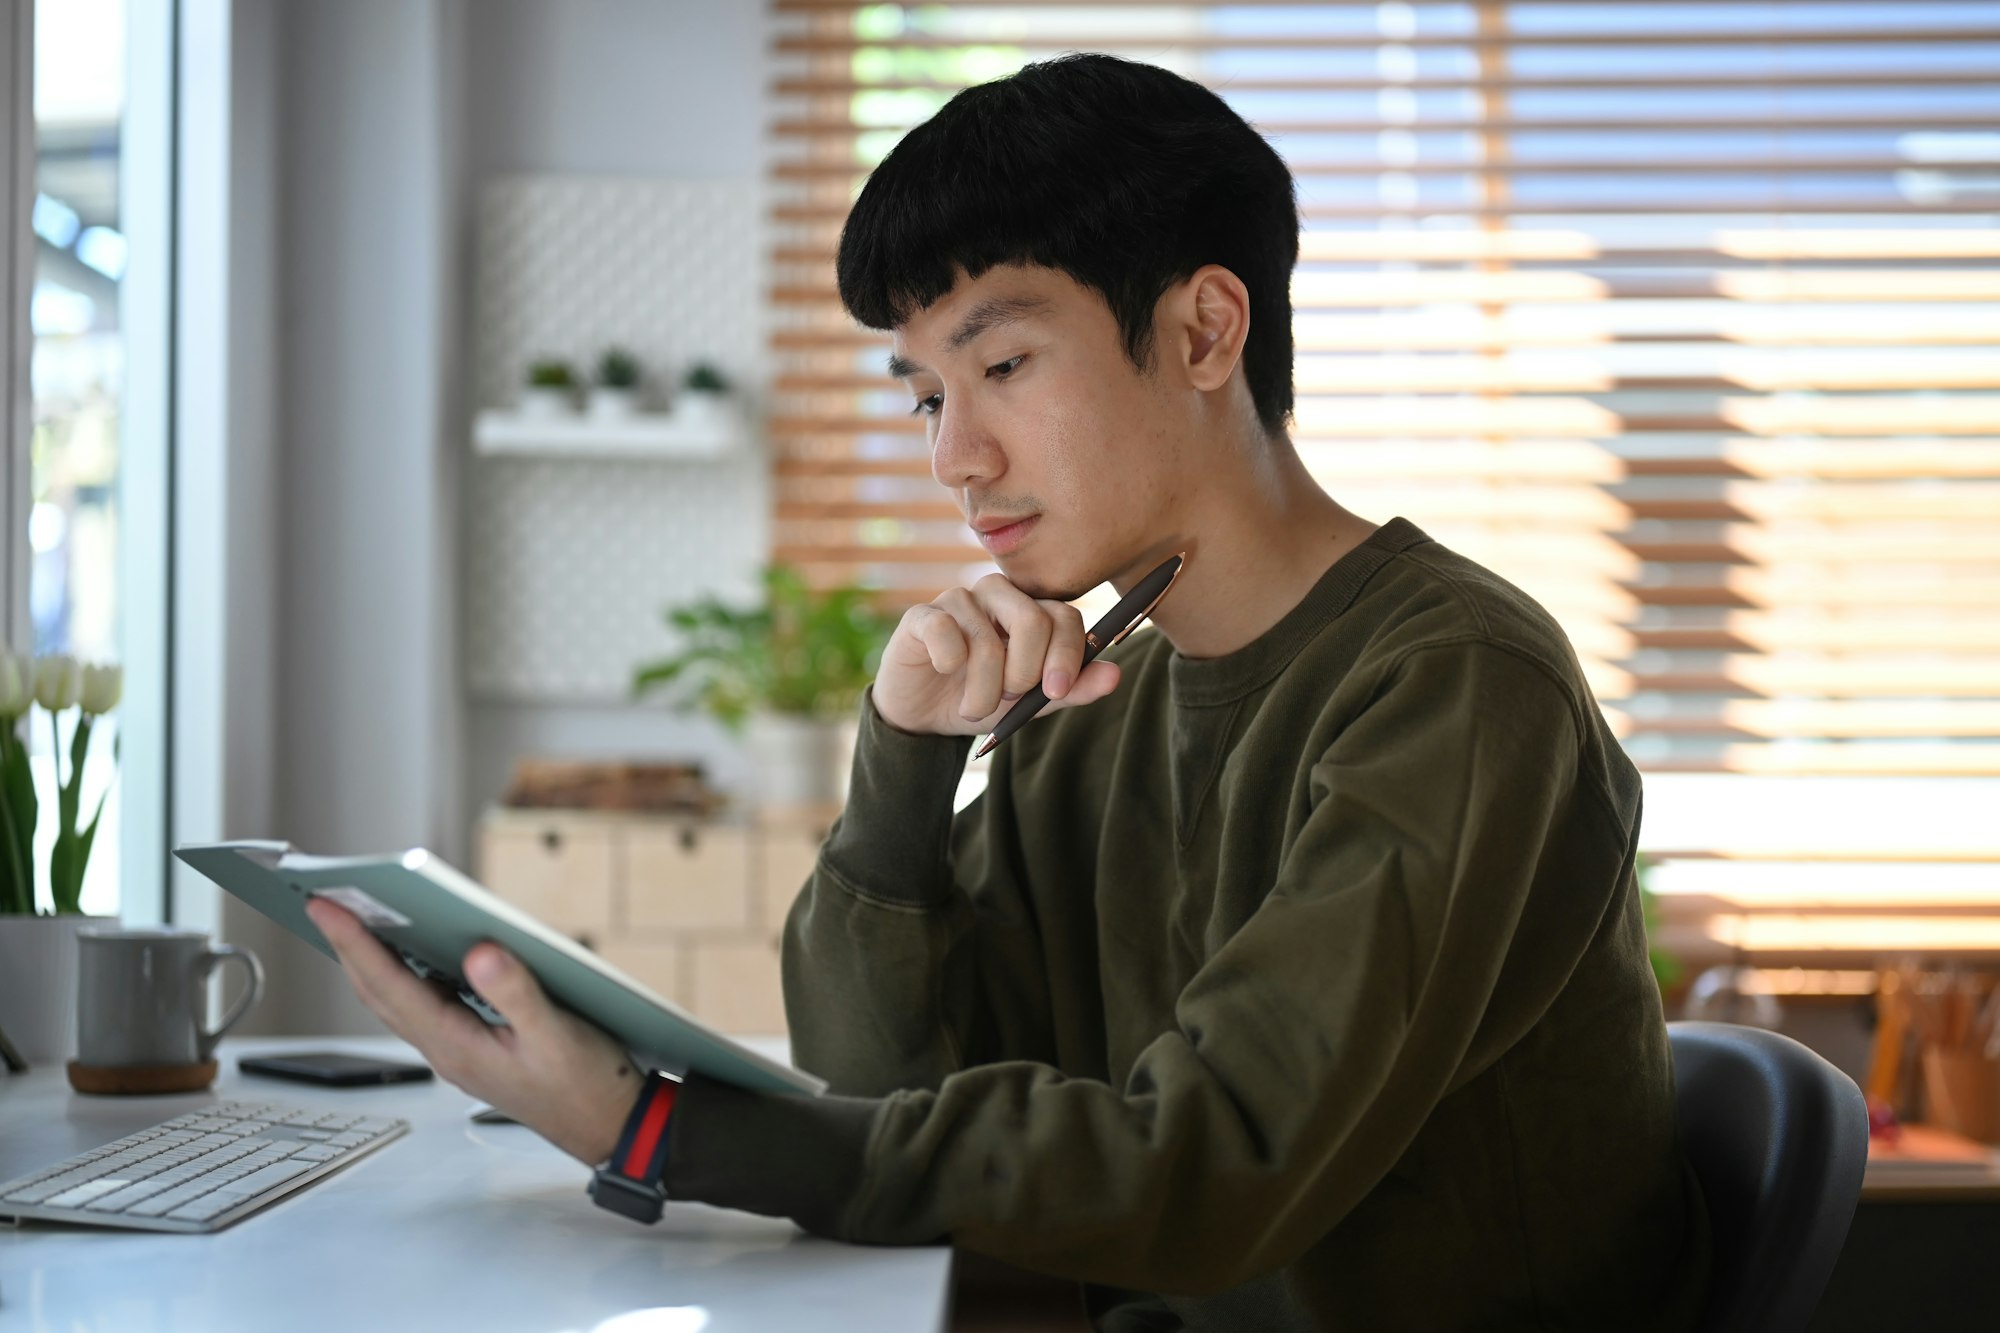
[(954, 666)]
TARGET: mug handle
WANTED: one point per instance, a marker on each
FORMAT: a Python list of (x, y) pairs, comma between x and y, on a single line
[(205, 1038)]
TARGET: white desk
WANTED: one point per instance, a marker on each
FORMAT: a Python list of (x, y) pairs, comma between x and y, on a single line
[(455, 1225)]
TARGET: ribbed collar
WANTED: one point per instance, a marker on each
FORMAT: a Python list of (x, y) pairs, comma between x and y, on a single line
[(1201, 681)]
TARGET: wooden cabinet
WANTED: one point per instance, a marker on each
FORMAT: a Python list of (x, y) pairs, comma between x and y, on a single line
[(557, 871), (691, 909), (688, 877)]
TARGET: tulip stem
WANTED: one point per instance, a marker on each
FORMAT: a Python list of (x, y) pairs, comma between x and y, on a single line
[(23, 876)]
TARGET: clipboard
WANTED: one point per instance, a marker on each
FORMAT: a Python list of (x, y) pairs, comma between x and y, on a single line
[(431, 914)]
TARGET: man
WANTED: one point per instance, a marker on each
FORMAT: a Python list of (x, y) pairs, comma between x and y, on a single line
[(1290, 974)]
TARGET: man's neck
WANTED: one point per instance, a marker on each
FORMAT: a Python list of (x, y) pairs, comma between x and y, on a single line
[(1254, 552)]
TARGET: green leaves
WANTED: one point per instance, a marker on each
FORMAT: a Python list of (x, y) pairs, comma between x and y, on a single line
[(1666, 967), (69, 855), (800, 652), (17, 826)]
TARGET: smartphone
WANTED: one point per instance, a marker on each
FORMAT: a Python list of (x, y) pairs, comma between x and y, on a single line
[(335, 1068)]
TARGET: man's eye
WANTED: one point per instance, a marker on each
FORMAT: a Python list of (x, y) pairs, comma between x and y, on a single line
[(928, 407)]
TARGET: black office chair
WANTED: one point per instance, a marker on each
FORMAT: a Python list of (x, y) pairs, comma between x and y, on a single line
[(1778, 1138)]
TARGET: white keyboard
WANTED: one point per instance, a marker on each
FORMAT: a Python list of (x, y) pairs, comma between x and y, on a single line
[(201, 1171)]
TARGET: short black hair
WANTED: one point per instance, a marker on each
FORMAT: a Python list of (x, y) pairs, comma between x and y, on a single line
[(1125, 176)]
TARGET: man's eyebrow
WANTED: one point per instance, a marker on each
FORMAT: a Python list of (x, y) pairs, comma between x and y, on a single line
[(988, 314)]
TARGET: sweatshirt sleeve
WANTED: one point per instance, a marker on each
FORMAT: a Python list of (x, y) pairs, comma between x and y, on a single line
[(1452, 869), (911, 953)]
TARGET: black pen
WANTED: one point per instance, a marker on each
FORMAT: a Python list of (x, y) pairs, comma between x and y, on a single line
[(1119, 621)]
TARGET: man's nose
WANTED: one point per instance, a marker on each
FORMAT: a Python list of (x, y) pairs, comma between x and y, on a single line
[(963, 451)]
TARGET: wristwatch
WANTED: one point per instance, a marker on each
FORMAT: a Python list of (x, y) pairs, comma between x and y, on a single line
[(630, 1183)]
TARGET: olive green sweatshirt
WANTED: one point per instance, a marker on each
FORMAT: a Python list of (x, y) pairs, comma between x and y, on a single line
[(1302, 988)]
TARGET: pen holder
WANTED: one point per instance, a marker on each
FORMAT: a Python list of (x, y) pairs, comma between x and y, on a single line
[(1962, 1092)]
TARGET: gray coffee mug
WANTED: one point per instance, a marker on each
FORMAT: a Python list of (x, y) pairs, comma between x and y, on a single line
[(142, 996)]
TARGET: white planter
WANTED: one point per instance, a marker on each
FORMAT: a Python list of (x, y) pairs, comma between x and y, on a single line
[(607, 404), (799, 760), (698, 407), (38, 984), (542, 402)]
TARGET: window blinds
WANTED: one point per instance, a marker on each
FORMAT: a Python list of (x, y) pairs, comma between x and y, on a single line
[(1684, 317)]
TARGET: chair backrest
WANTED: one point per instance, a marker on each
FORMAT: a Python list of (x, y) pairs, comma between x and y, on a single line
[(1779, 1139)]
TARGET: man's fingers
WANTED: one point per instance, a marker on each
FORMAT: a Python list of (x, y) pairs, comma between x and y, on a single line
[(1028, 628), (986, 655), (504, 983), (1098, 679), (1064, 659), (413, 1011), (938, 634)]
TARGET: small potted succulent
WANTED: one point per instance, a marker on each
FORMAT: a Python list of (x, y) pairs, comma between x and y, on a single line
[(704, 396), (785, 675), (550, 390), (615, 396), (38, 949)]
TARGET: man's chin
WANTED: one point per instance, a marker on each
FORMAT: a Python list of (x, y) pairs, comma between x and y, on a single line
[(1049, 594), (1042, 589)]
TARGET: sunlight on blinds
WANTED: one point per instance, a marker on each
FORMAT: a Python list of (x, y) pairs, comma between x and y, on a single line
[(1684, 317)]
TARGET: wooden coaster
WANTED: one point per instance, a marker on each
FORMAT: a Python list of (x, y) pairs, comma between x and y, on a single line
[(140, 1080)]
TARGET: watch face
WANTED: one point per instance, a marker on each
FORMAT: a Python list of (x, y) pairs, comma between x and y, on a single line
[(626, 1197)]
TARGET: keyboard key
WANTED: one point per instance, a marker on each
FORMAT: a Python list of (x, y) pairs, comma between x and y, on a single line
[(349, 1140), (48, 1187), (319, 1152), (168, 1200), (315, 1134), (206, 1207), (257, 1181), (125, 1198), (84, 1193)]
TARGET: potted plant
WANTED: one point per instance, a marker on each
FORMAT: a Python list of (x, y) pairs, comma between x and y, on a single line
[(704, 396), (786, 675), (1666, 967), (38, 951), (550, 391), (615, 396)]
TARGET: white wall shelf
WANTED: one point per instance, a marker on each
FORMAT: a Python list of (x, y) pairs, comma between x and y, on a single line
[(643, 435)]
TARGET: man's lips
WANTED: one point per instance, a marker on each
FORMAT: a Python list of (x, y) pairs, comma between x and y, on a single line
[(1001, 535)]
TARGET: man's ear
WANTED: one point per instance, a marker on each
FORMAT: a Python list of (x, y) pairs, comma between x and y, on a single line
[(1214, 320)]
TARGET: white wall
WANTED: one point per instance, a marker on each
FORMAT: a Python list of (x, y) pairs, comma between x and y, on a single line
[(361, 130), (612, 88), (226, 535), (361, 751)]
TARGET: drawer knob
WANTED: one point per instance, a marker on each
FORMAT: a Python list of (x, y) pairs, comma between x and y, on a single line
[(552, 840)]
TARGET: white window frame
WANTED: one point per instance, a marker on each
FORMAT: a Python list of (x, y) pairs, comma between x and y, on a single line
[(146, 189), (17, 242)]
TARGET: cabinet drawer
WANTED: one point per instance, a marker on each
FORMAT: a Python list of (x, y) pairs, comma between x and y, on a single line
[(785, 860), (558, 873), (687, 877), (657, 967), (736, 987)]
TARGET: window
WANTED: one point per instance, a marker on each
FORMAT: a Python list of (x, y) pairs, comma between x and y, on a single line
[(1683, 316), (90, 367)]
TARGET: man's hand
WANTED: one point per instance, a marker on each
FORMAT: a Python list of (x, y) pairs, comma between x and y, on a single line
[(954, 666), (560, 1076)]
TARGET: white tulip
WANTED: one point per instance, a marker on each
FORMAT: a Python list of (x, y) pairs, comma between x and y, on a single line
[(102, 686), (15, 691), (58, 681)]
